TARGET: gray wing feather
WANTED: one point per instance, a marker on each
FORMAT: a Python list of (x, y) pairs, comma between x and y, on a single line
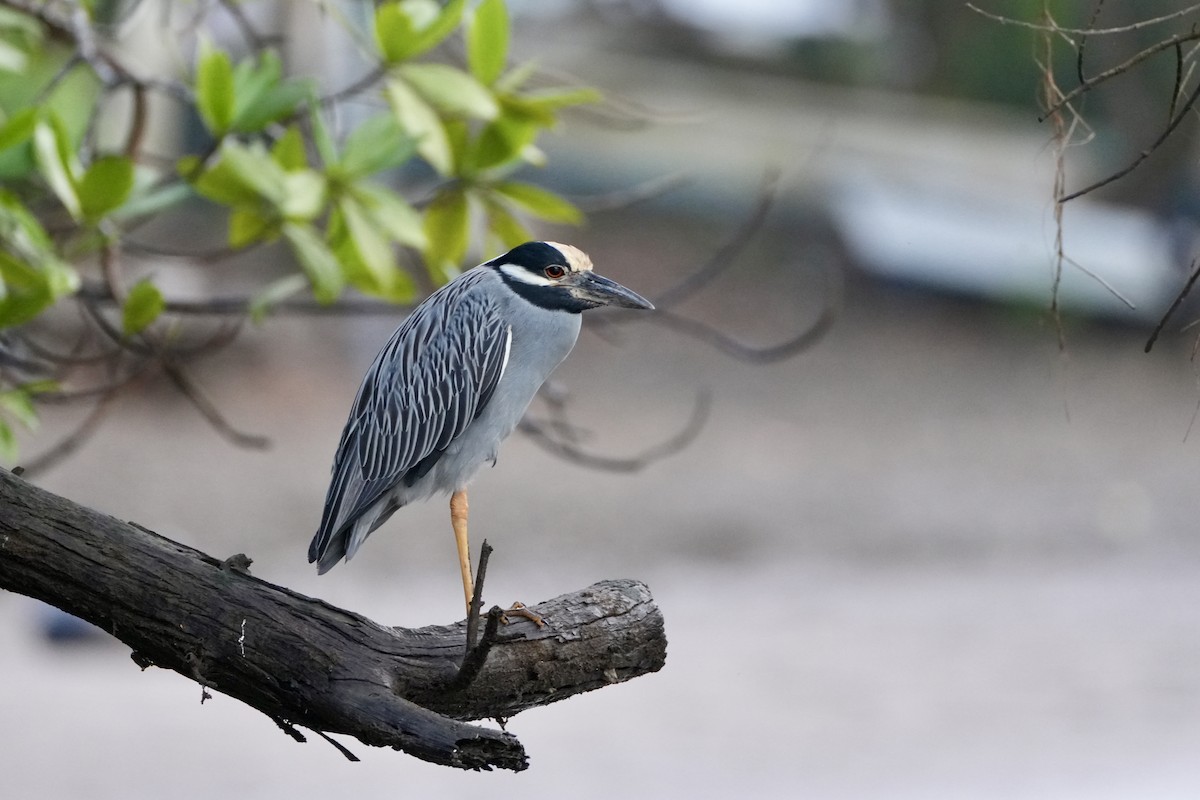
[(432, 378)]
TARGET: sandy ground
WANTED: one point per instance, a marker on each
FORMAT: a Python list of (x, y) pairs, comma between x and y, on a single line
[(932, 557)]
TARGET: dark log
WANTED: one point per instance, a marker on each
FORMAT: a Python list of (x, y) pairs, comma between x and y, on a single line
[(304, 662)]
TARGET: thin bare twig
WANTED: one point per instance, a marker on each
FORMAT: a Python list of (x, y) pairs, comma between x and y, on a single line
[(129, 344), (137, 123), (1187, 287), (1052, 99), (239, 306), (624, 198), (254, 40), (1103, 282), (1142, 156), (225, 334), (190, 390), (76, 356), (707, 334), (1054, 27), (727, 253), (362, 84), (542, 434), (1122, 68), (69, 444), (1177, 89), (485, 554), (1083, 39), (213, 255)]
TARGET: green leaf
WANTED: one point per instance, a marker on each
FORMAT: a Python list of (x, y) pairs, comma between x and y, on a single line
[(40, 386), (261, 192), (248, 226), (366, 254), (252, 77), (21, 24), (447, 228), (304, 195), (487, 40), (21, 36), (458, 134), (275, 292), (275, 104), (450, 90), (539, 202), (408, 28), (26, 291), (506, 227), (262, 95), (12, 59), (142, 306), (395, 28), (241, 176), (31, 273), (543, 106), (369, 242), (18, 404), (516, 77), (320, 133), (105, 186), (556, 99), (20, 232), (288, 151), (504, 140), (18, 128), (55, 169), (421, 122), (316, 259), (442, 26), (376, 145), (392, 214), (254, 169), (8, 443), (153, 199), (214, 88)]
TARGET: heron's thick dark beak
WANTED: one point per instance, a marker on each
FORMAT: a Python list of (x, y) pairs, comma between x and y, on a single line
[(601, 291)]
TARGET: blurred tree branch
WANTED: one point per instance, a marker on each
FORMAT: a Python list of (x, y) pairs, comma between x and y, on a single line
[(274, 154), (283, 162)]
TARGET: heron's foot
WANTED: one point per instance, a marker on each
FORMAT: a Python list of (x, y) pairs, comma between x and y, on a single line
[(519, 609)]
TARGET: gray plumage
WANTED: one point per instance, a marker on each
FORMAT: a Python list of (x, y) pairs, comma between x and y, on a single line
[(451, 383)]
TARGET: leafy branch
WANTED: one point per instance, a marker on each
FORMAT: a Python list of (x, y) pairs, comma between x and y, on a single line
[(270, 155)]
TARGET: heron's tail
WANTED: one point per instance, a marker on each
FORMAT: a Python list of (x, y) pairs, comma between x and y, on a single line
[(327, 549), (330, 547)]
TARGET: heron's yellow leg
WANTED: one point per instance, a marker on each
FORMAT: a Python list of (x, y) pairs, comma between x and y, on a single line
[(458, 519)]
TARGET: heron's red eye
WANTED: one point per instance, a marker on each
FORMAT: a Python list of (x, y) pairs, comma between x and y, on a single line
[(554, 272)]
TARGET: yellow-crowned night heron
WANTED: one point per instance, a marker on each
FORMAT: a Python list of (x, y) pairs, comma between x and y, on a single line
[(451, 383)]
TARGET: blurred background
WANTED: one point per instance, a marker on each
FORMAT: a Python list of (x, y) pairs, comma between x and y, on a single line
[(936, 555)]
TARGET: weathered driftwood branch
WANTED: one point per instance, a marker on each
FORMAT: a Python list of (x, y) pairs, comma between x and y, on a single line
[(304, 662)]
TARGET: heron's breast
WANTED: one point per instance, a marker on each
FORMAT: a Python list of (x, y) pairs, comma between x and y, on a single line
[(538, 346)]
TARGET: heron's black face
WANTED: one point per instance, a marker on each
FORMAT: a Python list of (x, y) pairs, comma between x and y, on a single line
[(559, 277)]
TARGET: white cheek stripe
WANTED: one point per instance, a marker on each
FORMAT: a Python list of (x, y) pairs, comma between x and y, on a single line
[(525, 276)]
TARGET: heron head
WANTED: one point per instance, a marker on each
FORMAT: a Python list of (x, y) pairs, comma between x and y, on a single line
[(560, 277)]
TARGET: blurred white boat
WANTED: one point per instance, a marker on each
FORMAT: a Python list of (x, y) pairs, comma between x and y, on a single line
[(1119, 263)]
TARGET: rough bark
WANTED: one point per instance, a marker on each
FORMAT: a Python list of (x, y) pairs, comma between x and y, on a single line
[(304, 662)]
